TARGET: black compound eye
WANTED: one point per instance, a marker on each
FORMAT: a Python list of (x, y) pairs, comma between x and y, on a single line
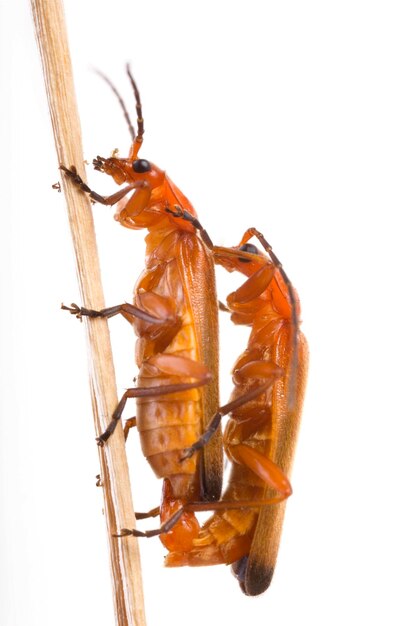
[(248, 247), (140, 166)]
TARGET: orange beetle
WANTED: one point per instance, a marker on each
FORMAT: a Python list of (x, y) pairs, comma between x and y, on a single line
[(177, 294), (261, 433), (174, 311)]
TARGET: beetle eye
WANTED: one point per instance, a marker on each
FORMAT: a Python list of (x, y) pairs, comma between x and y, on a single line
[(140, 166), (248, 247)]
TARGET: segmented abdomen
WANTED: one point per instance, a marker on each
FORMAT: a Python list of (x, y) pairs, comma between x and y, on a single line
[(169, 423)]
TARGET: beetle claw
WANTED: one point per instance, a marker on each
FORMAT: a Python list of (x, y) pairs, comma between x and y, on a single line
[(74, 309), (124, 532)]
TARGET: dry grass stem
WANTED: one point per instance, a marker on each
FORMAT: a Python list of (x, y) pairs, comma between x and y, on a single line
[(124, 553)]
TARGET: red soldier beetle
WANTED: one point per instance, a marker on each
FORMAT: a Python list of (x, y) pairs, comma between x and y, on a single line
[(158, 317), (260, 435), (174, 312)]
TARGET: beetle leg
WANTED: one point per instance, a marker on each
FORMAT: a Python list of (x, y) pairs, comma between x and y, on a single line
[(259, 281), (253, 369), (152, 315), (185, 215), (166, 364), (201, 507), (216, 419), (253, 232), (136, 203), (127, 308), (129, 423), (164, 528), (174, 365), (141, 392), (262, 466), (254, 286), (152, 513)]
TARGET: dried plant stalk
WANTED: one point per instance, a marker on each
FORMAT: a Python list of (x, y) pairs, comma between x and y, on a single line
[(51, 35)]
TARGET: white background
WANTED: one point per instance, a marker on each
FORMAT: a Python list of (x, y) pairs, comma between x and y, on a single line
[(299, 118)]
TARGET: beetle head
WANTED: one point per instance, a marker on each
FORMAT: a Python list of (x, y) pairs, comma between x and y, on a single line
[(129, 170)]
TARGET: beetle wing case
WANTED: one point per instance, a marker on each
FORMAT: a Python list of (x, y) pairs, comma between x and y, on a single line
[(255, 573), (197, 268)]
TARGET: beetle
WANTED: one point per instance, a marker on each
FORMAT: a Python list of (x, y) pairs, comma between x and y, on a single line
[(260, 435), (174, 311), (257, 445)]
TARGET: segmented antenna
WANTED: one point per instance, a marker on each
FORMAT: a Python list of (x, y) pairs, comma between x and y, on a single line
[(121, 102), (141, 129)]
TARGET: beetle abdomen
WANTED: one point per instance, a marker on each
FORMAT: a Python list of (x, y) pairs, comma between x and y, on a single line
[(166, 429)]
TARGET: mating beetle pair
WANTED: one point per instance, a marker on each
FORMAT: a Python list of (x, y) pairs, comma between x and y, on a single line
[(174, 316)]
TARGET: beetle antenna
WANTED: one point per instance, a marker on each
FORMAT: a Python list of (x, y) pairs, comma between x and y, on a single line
[(121, 102), (141, 129)]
